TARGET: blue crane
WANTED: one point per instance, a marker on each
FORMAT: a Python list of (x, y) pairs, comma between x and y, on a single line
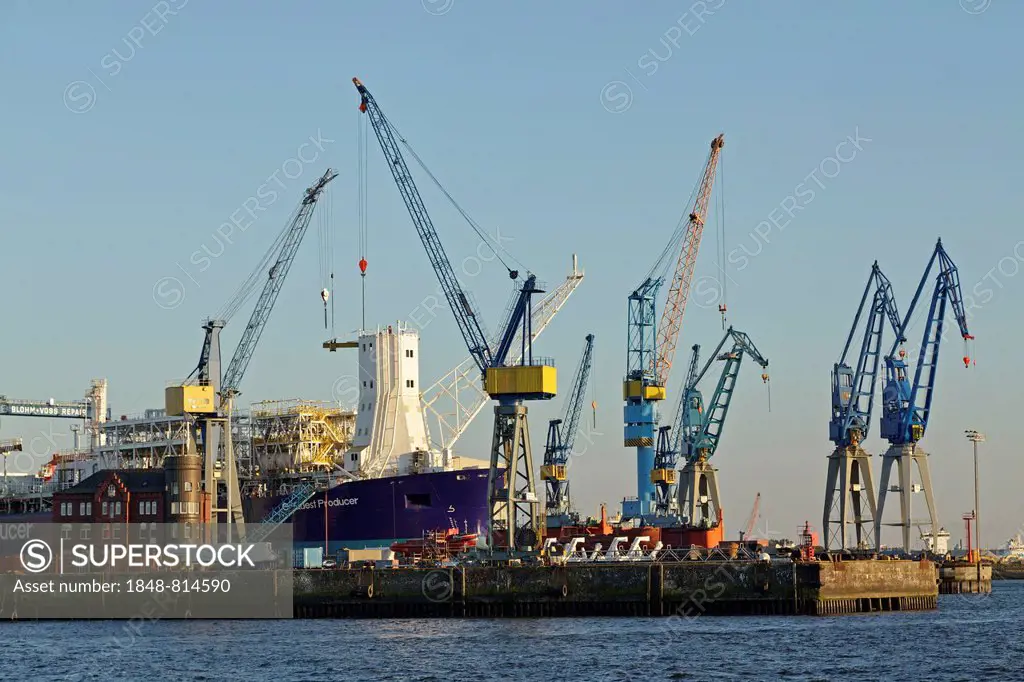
[(561, 439), (905, 406), (666, 454), (853, 390), (651, 344), (512, 496), (853, 394), (699, 431)]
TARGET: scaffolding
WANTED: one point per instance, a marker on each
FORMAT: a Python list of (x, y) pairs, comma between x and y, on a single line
[(143, 441), (295, 437)]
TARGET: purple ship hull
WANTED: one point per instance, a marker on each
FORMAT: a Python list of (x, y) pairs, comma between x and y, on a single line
[(376, 512)]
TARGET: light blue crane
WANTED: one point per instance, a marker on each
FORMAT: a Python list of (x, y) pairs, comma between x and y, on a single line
[(699, 431)]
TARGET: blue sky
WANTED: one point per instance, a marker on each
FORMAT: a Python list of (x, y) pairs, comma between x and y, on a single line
[(131, 133)]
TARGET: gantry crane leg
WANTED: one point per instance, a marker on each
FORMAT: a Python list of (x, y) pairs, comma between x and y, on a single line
[(700, 497), (850, 484), (514, 524), (904, 458)]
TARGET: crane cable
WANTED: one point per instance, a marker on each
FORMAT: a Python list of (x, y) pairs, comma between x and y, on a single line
[(660, 268), (363, 236), (247, 288), (495, 246), (326, 236), (721, 253)]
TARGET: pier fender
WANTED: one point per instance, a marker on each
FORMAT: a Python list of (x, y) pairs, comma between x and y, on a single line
[(363, 591)]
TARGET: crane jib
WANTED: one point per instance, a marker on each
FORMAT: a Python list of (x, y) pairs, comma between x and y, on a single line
[(465, 314), (276, 276)]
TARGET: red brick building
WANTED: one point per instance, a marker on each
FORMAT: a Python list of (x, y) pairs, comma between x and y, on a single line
[(122, 495)]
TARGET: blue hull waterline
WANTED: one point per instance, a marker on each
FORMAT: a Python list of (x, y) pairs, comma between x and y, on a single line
[(376, 512)]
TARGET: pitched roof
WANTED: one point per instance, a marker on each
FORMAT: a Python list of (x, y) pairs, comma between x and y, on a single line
[(135, 480)]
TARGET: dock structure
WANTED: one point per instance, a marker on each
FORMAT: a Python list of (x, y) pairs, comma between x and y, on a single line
[(962, 577), (684, 589)]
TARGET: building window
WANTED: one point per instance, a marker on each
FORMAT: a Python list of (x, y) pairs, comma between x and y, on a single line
[(88, 508), (117, 508), (409, 383), (364, 384), (188, 486), (174, 489), (371, 384), (188, 531), (103, 508)]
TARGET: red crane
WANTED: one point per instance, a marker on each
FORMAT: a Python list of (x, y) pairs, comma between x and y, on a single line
[(753, 518), (679, 290)]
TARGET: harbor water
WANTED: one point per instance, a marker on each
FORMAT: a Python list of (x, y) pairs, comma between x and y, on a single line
[(970, 637)]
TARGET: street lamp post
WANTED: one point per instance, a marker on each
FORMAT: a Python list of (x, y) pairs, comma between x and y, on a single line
[(976, 437)]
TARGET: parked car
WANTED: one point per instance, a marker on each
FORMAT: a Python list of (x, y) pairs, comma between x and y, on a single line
[(329, 563)]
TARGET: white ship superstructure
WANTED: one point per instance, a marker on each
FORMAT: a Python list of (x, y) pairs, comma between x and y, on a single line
[(391, 429)]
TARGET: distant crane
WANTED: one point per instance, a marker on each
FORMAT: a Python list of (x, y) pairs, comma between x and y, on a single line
[(700, 431), (561, 438), (514, 526), (747, 533), (219, 389), (906, 407), (650, 347), (666, 454), (849, 481)]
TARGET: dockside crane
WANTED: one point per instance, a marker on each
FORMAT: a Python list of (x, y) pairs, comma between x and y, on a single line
[(651, 347), (747, 533), (666, 454), (514, 527), (906, 407), (561, 439), (849, 483), (700, 431), (210, 395)]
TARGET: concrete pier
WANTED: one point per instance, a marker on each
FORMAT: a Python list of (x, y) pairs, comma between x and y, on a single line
[(963, 578), (679, 589)]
